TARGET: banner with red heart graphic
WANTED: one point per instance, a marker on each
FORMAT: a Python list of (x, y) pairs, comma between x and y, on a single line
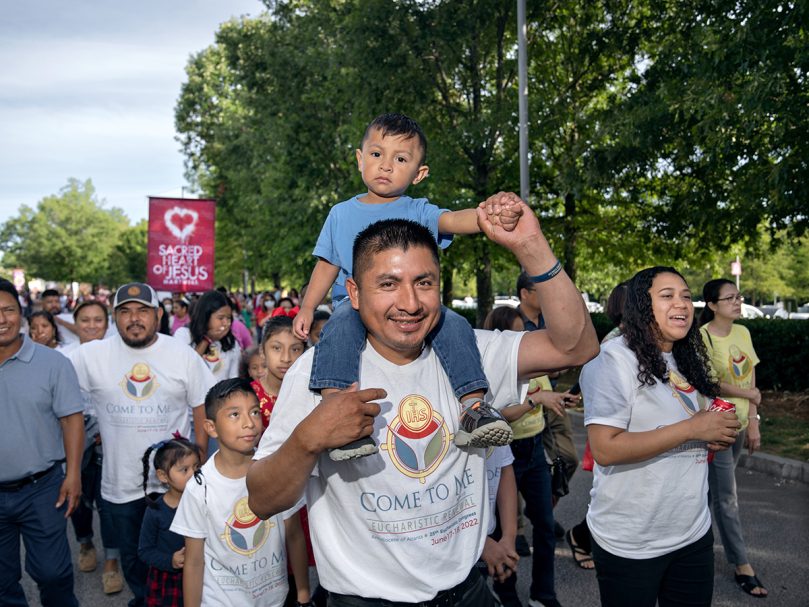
[(181, 244)]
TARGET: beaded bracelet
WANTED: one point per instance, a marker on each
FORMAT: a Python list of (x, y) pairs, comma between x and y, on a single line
[(557, 267)]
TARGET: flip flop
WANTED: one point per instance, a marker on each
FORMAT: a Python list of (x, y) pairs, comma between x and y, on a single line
[(574, 550), (748, 583)]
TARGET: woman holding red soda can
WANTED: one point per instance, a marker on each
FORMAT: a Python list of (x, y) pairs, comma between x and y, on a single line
[(646, 397), (733, 360)]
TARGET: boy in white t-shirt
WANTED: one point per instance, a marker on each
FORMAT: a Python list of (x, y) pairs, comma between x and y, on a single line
[(231, 556), (499, 552)]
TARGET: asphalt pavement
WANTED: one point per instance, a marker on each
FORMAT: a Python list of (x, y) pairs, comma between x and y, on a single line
[(775, 519)]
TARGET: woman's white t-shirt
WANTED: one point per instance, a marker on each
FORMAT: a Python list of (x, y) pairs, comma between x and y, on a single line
[(651, 508), (223, 365)]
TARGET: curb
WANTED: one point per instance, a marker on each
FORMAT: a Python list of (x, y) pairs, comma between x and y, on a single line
[(779, 467)]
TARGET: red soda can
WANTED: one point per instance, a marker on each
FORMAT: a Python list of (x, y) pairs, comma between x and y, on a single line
[(720, 405)]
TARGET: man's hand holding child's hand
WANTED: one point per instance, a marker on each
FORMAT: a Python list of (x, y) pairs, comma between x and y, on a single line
[(503, 209)]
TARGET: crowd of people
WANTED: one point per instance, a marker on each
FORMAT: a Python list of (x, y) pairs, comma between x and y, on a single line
[(230, 443)]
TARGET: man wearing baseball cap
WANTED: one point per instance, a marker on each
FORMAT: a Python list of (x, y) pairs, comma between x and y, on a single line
[(143, 385)]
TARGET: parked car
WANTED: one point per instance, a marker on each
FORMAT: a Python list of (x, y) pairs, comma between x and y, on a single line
[(774, 311), (748, 311), (802, 313), (467, 303), (511, 302)]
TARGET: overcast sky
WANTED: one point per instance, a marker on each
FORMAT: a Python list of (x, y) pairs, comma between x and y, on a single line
[(87, 90)]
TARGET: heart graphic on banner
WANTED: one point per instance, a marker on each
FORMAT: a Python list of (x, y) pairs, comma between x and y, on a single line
[(181, 222)]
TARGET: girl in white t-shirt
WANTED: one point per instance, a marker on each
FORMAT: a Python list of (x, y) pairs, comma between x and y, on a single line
[(645, 400), (210, 335)]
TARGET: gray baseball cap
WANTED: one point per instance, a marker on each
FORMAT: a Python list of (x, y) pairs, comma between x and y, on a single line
[(136, 291)]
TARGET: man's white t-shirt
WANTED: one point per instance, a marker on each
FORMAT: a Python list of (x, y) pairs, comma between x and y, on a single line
[(223, 365), (245, 557), (651, 508), (410, 521), (496, 459), (140, 396)]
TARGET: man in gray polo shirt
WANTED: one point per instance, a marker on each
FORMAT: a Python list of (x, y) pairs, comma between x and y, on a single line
[(41, 408)]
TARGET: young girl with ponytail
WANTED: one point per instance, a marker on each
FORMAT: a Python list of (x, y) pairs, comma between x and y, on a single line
[(175, 462)]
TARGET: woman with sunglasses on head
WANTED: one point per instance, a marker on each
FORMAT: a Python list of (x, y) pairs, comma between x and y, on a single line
[(645, 401), (734, 361)]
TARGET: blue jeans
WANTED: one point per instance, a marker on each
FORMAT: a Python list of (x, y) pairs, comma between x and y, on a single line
[(722, 496), (336, 363), (128, 518), (29, 512), (82, 517), (533, 476)]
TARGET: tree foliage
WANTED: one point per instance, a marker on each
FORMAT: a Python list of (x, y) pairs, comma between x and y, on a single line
[(660, 132), (69, 236)]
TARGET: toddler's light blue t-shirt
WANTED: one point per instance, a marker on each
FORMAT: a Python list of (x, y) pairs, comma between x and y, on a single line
[(350, 217)]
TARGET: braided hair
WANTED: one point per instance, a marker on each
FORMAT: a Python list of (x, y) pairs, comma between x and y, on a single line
[(166, 454), (642, 335)]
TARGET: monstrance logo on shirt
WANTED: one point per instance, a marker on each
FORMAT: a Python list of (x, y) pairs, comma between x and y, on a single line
[(418, 438), (245, 533), (691, 400), (739, 363), (213, 359), (139, 383)]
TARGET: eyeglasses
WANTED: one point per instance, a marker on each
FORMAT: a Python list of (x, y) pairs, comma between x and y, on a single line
[(734, 298)]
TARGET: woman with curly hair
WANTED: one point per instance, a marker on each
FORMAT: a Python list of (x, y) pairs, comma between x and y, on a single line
[(734, 361), (645, 399)]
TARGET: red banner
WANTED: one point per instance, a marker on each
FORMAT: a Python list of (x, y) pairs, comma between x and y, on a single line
[(181, 244)]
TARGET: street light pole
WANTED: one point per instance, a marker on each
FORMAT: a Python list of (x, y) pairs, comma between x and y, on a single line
[(522, 70)]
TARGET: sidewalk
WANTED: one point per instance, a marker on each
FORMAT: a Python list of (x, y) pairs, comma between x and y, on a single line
[(778, 467)]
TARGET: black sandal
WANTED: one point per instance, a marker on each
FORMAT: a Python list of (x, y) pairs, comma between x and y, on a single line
[(748, 583), (574, 550)]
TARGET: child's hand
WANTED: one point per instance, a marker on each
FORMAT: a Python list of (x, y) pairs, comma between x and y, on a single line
[(302, 323), (503, 210), (178, 558), (509, 217)]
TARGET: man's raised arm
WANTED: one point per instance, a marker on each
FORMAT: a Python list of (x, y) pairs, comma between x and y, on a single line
[(569, 338), (276, 482)]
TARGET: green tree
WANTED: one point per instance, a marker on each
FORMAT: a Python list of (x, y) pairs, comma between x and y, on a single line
[(69, 236), (127, 260), (661, 132), (711, 132)]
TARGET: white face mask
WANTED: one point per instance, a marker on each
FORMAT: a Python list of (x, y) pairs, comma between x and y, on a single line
[(269, 304), (167, 308)]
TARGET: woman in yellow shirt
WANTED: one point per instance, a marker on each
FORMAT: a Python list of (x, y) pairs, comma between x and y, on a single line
[(734, 361)]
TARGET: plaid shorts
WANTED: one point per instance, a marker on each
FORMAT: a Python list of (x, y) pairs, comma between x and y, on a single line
[(164, 588)]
